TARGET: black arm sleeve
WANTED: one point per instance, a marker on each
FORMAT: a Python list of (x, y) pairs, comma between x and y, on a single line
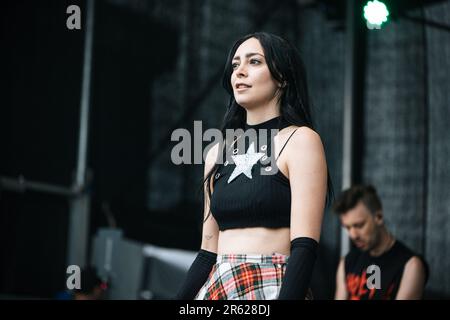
[(197, 275), (299, 269)]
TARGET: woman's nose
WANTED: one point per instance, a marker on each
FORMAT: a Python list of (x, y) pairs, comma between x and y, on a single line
[(241, 71)]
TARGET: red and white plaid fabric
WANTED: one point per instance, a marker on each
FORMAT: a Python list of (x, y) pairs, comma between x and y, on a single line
[(244, 277)]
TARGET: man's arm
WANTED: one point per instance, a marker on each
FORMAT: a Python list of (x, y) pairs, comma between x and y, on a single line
[(413, 280), (341, 288)]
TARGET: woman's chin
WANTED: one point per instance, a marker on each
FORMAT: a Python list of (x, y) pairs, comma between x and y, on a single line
[(245, 104)]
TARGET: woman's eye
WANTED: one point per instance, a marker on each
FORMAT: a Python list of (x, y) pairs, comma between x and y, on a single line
[(234, 65), (254, 61)]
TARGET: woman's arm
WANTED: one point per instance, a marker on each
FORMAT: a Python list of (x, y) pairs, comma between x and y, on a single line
[(308, 179), (210, 231), (206, 257)]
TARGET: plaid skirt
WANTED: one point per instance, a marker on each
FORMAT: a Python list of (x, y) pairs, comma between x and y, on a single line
[(244, 277)]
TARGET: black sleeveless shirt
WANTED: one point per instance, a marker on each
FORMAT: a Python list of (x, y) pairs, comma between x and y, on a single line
[(251, 191), (391, 265)]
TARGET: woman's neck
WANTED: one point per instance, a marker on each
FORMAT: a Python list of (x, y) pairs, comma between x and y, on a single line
[(259, 116)]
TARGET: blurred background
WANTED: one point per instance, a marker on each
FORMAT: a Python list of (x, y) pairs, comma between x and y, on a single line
[(86, 117)]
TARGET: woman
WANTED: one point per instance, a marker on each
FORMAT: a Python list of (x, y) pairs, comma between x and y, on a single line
[(262, 220)]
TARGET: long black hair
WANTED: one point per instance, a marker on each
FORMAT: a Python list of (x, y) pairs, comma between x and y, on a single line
[(287, 68)]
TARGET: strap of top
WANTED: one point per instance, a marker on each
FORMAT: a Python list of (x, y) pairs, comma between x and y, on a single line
[(285, 144)]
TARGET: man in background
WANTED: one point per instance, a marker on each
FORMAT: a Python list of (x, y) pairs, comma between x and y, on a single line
[(376, 253)]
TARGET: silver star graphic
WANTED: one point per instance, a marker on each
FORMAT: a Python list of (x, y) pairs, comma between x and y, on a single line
[(244, 162)]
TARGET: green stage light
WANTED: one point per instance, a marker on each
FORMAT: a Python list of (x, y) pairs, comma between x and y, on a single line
[(376, 13)]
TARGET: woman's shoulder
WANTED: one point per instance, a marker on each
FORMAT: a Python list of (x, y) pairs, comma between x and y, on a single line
[(301, 134), (212, 151), (303, 138), (211, 156)]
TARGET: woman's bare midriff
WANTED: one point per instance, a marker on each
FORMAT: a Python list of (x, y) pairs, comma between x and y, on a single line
[(254, 241)]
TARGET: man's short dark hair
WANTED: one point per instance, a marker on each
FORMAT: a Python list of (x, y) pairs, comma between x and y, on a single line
[(349, 198)]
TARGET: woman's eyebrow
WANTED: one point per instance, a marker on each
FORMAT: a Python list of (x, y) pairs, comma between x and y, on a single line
[(248, 55)]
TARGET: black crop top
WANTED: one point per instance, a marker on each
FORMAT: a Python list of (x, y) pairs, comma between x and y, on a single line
[(246, 191)]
